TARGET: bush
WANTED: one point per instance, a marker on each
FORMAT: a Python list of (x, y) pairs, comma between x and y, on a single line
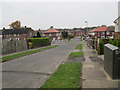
[(110, 41), (70, 36), (65, 34), (118, 43), (37, 42), (114, 42), (101, 47), (30, 45)]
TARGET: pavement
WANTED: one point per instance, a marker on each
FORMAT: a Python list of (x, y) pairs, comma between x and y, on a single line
[(93, 74), (33, 70)]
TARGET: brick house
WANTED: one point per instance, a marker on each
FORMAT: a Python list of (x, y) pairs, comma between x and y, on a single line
[(104, 32), (19, 34), (52, 33), (110, 32), (75, 32), (117, 27)]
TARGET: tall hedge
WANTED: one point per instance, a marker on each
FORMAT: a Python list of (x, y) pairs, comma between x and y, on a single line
[(110, 41), (38, 42), (115, 42), (101, 47), (118, 43)]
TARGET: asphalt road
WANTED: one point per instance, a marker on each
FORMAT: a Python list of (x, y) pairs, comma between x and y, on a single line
[(31, 71)]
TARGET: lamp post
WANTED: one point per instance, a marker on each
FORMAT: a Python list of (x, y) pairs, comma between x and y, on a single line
[(86, 22)]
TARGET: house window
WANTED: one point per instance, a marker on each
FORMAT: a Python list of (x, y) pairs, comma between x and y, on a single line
[(30, 34), (108, 33), (103, 33), (57, 34), (50, 34)]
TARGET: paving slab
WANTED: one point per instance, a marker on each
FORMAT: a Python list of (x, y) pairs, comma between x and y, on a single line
[(93, 75), (76, 59)]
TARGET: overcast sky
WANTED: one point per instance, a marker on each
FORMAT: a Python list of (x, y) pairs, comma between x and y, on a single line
[(59, 14)]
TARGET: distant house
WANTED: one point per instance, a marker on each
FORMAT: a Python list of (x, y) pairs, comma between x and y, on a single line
[(117, 27), (104, 32), (75, 32), (100, 32), (110, 32), (21, 33), (91, 33), (52, 33)]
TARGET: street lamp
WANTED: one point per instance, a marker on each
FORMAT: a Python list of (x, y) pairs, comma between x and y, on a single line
[(86, 22)]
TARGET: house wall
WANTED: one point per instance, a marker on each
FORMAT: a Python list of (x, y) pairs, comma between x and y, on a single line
[(117, 28), (19, 36), (53, 35), (117, 25)]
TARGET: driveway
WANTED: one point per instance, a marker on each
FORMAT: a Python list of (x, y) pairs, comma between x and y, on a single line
[(32, 71)]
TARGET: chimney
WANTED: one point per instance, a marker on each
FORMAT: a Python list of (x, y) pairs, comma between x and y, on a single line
[(3, 28), (51, 26)]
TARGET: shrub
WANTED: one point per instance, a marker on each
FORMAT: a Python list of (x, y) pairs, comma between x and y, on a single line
[(114, 42), (110, 41), (65, 34), (101, 47), (38, 34), (118, 43), (71, 36), (37, 42), (30, 45)]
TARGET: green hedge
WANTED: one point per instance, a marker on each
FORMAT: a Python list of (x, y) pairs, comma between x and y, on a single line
[(101, 47), (38, 42), (115, 42), (70, 37)]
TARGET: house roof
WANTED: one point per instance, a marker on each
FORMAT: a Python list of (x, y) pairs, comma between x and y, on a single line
[(117, 19), (100, 29), (51, 30), (111, 28), (15, 31)]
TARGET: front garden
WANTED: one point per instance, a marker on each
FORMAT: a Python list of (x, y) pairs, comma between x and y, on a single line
[(98, 44)]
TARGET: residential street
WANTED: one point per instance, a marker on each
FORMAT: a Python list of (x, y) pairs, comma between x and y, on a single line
[(31, 71)]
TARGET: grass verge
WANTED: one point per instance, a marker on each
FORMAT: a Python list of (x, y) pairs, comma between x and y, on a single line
[(79, 46), (14, 56), (75, 54), (67, 76)]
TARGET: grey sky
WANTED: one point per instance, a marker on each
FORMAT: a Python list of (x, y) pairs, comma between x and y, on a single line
[(59, 14)]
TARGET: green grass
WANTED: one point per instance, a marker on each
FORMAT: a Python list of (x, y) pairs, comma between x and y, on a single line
[(79, 46), (67, 76), (76, 54), (14, 56)]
